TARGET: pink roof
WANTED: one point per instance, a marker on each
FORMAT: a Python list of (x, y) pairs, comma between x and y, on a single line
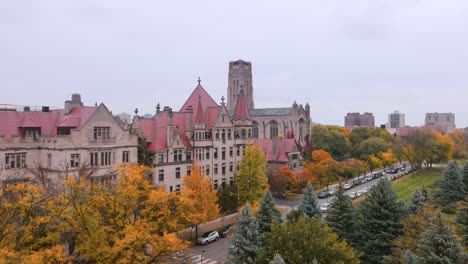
[(284, 147), (206, 100), (212, 115), (199, 117), (242, 111), (10, 122)]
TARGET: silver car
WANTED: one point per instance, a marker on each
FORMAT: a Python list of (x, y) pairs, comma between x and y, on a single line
[(208, 237)]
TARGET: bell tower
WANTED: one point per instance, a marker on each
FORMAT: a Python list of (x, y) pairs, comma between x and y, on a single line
[(240, 77)]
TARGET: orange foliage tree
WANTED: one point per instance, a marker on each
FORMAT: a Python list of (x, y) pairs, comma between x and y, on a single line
[(387, 158), (282, 181), (320, 155), (203, 200)]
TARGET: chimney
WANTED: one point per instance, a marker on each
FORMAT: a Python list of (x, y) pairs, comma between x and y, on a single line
[(170, 128), (73, 103), (189, 118)]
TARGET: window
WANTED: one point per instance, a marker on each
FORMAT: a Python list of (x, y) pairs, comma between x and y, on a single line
[(231, 166), (177, 155), (223, 169), (294, 156), (105, 158), (161, 175), (216, 169), (254, 129), (207, 152), (189, 170), (188, 156), (215, 184), (125, 155), (15, 160), (223, 153), (229, 134), (170, 188), (230, 152), (33, 132), (177, 173), (160, 158), (101, 133), (94, 159), (273, 129), (249, 133), (223, 184), (74, 160), (223, 136), (49, 160), (63, 131), (177, 187), (217, 134), (207, 170), (215, 154), (243, 133), (238, 151), (231, 180)]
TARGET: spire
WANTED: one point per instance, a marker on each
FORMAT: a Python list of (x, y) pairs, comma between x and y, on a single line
[(242, 111), (199, 116)]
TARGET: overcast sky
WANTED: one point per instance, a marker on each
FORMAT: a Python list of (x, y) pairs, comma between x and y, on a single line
[(340, 56)]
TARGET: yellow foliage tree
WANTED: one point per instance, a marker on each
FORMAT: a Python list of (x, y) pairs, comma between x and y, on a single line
[(252, 182), (374, 162), (199, 192), (387, 158)]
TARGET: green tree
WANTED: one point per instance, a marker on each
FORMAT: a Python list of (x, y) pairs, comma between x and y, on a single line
[(341, 216), (462, 221), (410, 258), (380, 215), (309, 204), (371, 146), (439, 244), (295, 214), (267, 213), (331, 139), (247, 239), (277, 259), (465, 177), (227, 199), (417, 202), (451, 185), (252, 182), (303, 241)]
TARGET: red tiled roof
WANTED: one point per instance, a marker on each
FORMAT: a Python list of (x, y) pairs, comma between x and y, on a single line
[(242, 111), (212, 115), (284, 147), (10, 122), (206, 100)]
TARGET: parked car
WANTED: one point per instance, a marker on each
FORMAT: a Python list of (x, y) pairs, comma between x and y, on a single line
[(347, 186), (369, 178), (324, 207), (226, 230), (353, 195), (279, 195), (208, 237), (324, 194), (364, 180), (332, 191), (365, 190)]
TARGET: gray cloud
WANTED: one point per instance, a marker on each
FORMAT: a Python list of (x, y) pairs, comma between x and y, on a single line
[(339, 56)]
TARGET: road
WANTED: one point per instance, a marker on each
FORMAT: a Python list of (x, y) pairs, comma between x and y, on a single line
[(217, 251)]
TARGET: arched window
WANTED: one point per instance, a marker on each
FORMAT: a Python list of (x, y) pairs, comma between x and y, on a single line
[(273, 129), (217, 134), (255, 129), (302, 128), (229, 134), (223, 136)]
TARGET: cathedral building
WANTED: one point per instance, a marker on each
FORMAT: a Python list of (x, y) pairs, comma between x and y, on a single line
[(216, 135)]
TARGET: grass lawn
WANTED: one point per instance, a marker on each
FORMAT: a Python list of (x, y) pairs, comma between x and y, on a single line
[(405, 186)]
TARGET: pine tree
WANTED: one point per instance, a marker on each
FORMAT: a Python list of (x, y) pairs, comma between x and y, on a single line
[(341, 216), (465, 177), (451, 186), (247, 239), (425, 193), (267, 213), (409, 258), (380, 215), (417, 202), (462, 221), (295, 214), (277, 259), (440, 245), (309, 203)]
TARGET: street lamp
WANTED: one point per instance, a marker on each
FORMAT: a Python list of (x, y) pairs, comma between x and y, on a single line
[(201, 256)]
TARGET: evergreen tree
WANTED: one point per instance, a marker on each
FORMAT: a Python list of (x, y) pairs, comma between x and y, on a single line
[(277, 259), (451, 186), (295, 214), (425, 193), (417, 202), (302, 241), (380, 215), (341, 216), (309, 203), (246, 241), (267, 213), (409, 258), (465, 177), (440, 245), (462, 221)]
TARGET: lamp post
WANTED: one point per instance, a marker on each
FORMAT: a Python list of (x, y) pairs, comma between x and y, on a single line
[(201, 256)]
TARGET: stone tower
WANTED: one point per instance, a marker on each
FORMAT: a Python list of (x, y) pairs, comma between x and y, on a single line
[(240, 77)]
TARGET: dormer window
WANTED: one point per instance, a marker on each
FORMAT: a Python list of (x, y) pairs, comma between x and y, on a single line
[(34, 132), (101, 133), (63, 131)]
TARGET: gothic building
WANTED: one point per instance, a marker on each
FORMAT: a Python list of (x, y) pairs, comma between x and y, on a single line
[(216, 135)]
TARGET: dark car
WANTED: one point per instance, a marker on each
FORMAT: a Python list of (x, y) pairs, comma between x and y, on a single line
[(324, 194), (226, 230)]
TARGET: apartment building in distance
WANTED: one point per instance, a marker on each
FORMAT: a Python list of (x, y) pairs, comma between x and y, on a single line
[(396, 120), (61, 140), (441, 122), (359, 120), (216, 136)]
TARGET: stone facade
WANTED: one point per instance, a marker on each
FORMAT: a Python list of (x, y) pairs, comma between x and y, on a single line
[(216, 137), (240, 77), (359, 120), (441, 122), (62, 140)]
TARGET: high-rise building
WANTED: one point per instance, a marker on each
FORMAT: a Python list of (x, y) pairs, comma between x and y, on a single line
[(239, 78), (359, 120), (442, 122), (396, 120)]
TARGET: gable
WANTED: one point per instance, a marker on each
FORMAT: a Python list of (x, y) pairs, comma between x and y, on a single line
[(222, 119)]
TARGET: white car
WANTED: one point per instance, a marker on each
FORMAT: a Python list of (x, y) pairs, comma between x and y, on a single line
[(324, 207), (369, 178), (353, 195), (347, 186), (208, 237), (365, 190)]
